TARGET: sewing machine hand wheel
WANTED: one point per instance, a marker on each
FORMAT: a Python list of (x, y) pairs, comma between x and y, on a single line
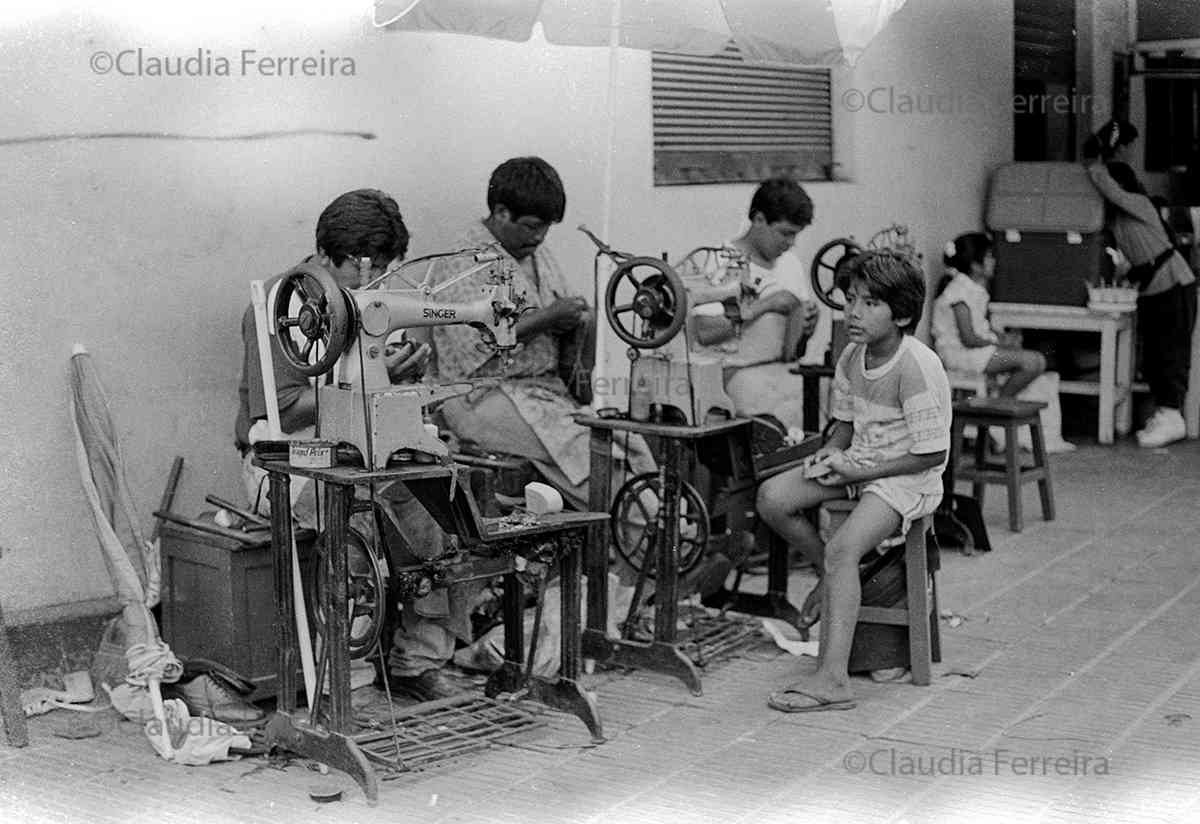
[(634, 514), (658, 301), (366, 593), (324, 316), (828, 270)]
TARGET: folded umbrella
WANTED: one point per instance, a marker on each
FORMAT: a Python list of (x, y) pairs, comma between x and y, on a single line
[(133, 563)]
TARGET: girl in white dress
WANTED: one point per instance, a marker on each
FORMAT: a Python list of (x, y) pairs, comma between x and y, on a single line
[(962, 336)]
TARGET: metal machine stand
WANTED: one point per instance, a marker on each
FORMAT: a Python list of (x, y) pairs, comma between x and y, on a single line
[(329, 735), (725, 448)]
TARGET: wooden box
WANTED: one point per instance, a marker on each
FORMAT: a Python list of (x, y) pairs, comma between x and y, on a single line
[(218, 600)]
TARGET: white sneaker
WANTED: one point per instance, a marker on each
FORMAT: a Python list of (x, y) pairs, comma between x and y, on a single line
[(1151, 423), (1167, 426)]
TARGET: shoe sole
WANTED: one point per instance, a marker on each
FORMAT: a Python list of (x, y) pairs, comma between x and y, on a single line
[(1159, 445)]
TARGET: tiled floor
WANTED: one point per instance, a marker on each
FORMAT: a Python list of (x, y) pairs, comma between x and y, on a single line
[(1069, 692)]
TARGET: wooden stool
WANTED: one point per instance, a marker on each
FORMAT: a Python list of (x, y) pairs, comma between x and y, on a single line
[(918, 612), (1010, 415)]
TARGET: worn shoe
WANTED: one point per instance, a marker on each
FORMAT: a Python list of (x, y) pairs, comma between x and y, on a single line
[(1165, 427), (430, 685), (210, 697)]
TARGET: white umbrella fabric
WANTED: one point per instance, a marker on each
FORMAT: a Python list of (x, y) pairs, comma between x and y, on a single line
[(808, 32)]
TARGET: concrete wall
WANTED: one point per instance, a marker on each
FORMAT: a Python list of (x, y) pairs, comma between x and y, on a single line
[(1103, 29), (142, 248)]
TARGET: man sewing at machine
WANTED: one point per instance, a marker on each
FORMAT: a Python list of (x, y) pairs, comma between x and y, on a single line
[(776, 314), (526, 410), (358, 236)]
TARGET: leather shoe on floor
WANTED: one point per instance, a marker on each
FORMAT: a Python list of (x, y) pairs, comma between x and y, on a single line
[(210, 697), (430, 685)]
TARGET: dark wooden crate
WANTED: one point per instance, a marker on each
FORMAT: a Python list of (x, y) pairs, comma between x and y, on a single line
[(218, 600)]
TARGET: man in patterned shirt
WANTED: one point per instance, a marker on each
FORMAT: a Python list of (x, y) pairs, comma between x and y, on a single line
[(527, 409)]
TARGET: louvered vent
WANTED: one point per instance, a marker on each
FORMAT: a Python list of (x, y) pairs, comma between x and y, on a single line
[(721, 120)]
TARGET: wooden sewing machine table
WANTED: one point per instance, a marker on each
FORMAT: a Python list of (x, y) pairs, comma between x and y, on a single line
[(725, 448), (498, 547)]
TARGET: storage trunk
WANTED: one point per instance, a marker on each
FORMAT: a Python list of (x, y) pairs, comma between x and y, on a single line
[(218, 600), (1047, 223)]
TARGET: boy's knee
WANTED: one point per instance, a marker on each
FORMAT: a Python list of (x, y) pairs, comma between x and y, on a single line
[(770, 499), (840, 553)]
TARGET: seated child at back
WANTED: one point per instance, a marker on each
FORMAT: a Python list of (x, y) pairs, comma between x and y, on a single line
[(886, 447), (962, 336)]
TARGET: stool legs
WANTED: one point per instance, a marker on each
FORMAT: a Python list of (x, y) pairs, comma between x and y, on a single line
[(1012, 471), (981, 445), (920, 641), (1039, 460), (935, 631)]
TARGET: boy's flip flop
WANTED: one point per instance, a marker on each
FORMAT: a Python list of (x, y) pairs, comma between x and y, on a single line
[(794, 699)]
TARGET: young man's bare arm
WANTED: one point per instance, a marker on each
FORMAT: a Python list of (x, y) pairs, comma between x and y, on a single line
[(300, 413), (713, 329)]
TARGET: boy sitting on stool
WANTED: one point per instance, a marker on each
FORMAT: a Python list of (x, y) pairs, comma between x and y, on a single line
[(886, 448)]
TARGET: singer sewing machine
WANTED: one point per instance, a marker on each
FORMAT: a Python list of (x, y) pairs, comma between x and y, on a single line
[(348, 329), (324, 328), (646, 303)]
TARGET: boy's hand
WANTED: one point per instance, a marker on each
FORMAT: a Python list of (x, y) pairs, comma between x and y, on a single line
[(406, 361), (842, 471), (823, 453)]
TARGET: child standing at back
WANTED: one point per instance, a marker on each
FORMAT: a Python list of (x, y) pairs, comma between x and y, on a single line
[(886, 447), (962, 336)]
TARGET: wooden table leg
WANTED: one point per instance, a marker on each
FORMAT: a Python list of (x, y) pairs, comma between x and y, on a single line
[(1124, 415), (1108, 379)]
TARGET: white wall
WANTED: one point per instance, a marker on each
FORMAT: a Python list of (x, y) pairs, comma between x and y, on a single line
[(1110, 32), (142, 248)]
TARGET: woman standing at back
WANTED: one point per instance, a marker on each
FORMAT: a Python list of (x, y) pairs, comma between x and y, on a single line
[(1166, 285)]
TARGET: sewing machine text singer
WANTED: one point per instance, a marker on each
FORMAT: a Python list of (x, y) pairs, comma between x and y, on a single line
[(349, 328)]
